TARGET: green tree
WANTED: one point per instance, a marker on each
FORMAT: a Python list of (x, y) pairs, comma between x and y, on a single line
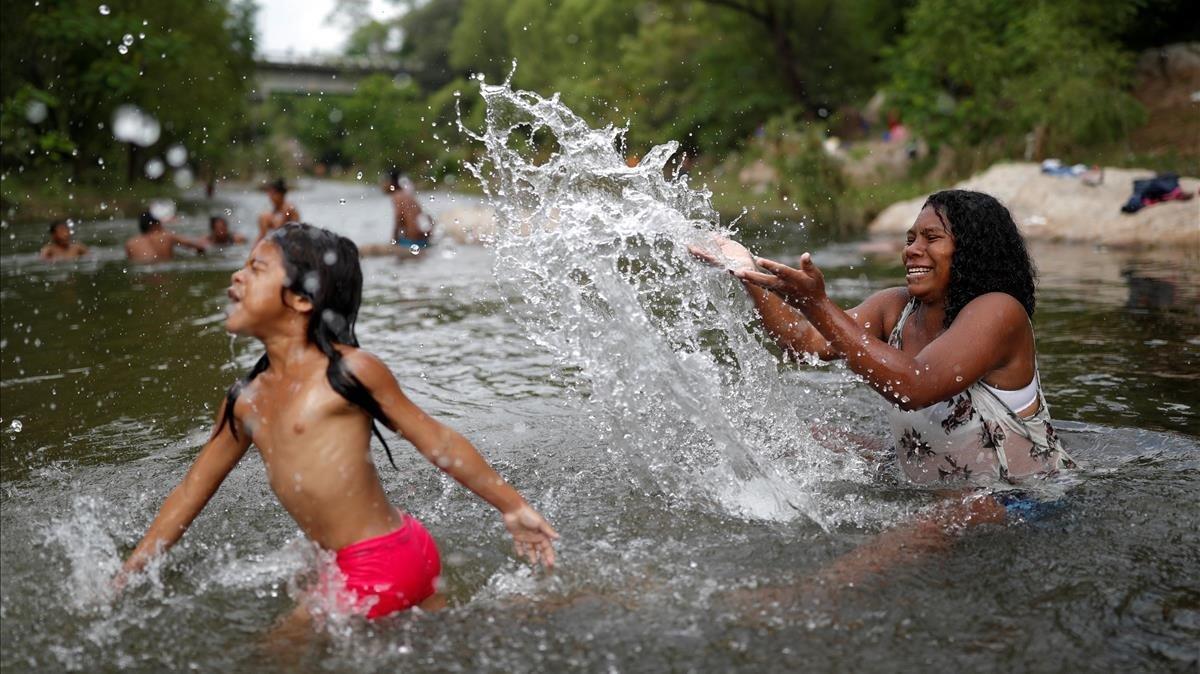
[(967, 72), (186, 64)]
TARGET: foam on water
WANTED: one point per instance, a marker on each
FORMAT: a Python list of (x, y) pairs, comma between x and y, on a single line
[(597, 250)]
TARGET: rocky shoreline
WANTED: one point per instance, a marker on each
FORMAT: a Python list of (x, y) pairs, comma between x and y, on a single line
[(1066, 209)]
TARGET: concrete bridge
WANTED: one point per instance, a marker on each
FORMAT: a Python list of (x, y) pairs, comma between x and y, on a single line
[(337, 76)]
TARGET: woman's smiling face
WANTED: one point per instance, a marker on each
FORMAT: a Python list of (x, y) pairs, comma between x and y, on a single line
[(927, 256)]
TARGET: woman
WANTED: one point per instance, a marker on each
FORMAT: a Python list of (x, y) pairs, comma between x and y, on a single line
[(953, 349)]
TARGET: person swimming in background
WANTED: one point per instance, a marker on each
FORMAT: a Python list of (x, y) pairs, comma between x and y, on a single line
[(952, 351), (310, 405), (412, 227), (156, 243), (219, 234), (282, 211), (61, 246)]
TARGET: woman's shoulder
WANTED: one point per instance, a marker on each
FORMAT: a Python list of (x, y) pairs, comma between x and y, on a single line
[(994, 306), (888, 304)]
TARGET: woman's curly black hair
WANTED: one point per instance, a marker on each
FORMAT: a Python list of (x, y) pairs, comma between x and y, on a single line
[(989, 252)]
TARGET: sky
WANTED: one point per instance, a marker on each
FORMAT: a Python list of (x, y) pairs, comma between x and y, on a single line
[(305, 27)]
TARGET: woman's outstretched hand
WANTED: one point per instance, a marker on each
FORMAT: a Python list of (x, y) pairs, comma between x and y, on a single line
[(532, 535), (797, 287), (724, 252)]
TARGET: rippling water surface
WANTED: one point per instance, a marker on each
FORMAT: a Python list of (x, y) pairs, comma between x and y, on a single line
[(682, 549)]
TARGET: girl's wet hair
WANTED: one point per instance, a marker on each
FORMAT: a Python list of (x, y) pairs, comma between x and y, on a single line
[(989, 251), (322, 267)]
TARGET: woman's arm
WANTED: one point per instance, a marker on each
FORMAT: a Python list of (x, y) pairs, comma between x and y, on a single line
[(454, 454), (216, 459), (981, 338), (786, 325)]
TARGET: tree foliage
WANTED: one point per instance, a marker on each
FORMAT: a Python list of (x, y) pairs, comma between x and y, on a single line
[(186, 64), (968, 71)]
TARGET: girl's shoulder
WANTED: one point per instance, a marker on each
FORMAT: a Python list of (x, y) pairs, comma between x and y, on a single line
[(361, 363)]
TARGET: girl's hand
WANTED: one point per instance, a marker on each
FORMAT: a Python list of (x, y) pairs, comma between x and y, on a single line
[(797, 287), (532, 535), (723, 252)]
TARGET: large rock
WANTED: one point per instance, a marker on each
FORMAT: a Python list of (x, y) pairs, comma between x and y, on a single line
[(1065, 209)]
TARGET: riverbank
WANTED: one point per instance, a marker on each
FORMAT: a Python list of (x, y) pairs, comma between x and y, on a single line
[(46, 199), (1066, 209)]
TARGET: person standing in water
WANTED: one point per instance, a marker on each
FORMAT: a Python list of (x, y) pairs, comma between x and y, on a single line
[(310, 405), (156, 243), (282, 211), (412, 226), (60, 246), (952, 351), (219, 234)]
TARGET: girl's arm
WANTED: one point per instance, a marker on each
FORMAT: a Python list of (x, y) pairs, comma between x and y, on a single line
[(455, 455), (216, 459), (980, 339)]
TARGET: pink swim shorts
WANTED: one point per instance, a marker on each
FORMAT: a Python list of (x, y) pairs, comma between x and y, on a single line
[(397, 570)]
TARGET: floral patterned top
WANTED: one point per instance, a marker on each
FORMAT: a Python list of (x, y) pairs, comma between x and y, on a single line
[(973, 436)]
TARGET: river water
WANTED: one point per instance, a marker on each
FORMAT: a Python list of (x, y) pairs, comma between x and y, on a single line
[(679, 550)]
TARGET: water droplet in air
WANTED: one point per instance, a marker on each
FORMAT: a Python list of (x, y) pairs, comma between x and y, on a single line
[(123, 49), (177, 155), (155, 168), (342, 202), (414, 249), (132, 125), (104, 10), (358, 176), (35, 111), (128, 40), (958, 378), (184, 178), (16, 426)]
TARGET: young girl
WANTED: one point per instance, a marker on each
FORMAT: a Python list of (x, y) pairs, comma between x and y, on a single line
[(309, 405)]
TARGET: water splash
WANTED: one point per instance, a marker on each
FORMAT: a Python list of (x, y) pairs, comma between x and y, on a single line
[(598, 252)]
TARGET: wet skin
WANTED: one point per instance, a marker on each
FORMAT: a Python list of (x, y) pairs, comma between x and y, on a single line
[(61, 246), (281, 213), (991, 339), (158, 245), (314, 444)]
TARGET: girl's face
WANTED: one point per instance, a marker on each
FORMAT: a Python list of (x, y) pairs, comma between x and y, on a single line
[(256, 293), (927, 257)]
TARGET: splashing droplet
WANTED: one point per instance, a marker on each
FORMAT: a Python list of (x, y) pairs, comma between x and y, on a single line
[(16, 426), (155, 168), (104, 10), (177, 155), (133, 125)]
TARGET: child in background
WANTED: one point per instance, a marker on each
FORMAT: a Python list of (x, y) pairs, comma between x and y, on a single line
[(309, 405), (219, 234), (60, 246), (282, 211), (157, 243)]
